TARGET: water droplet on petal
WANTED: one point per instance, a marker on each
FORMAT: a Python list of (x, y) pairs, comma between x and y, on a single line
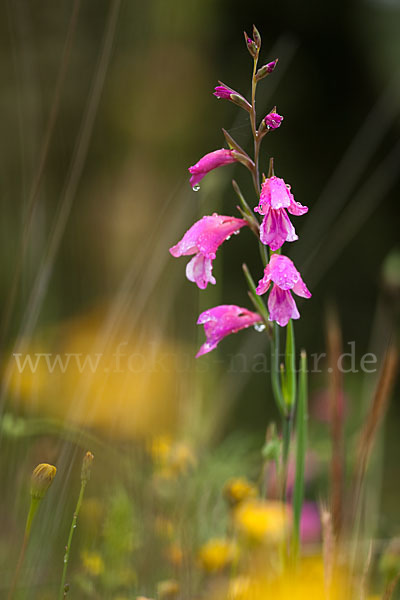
[(259, 327), (196, 187)]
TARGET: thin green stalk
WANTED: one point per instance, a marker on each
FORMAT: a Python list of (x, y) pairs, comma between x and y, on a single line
[(287, 426), (61, 594), (301, 447), (275, 371), (31, 515), (290, 367)]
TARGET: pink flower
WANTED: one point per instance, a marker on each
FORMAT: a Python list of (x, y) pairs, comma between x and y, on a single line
[(203, 239), (310, 524), (282, 272), (221, 91), (276, 227), (210, 161), (223, 320), (273, 120)]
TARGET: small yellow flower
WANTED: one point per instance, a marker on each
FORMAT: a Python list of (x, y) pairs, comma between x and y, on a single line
[(238, 489), (262, 521), (216, 554), (93, 563)]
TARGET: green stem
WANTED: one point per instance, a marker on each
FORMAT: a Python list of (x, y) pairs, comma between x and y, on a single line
[(61, 594), (301, 447), (31, 515), (257, 140), (290, 367), (286, 435), (275, 371)]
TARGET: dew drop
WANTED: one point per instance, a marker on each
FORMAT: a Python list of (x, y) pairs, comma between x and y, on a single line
[(236, 232), (196, 187), (259, 327)]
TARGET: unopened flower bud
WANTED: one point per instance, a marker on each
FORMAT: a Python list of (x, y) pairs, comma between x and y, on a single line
[(86, 466), (257, 37), (273, 120), (42, 478), (251, 45), (225, 92), (266, 70)]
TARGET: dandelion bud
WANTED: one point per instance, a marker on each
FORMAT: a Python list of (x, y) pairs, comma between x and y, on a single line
[(86, 466), (42, 478), (251, 45), (266, 70), (257, 37)]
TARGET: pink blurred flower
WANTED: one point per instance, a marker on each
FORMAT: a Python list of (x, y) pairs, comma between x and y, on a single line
[(203, 239), (312, 469), (273, 120), (223, 320), (208, 162), (310, 524), (276, 227), (282, 272)]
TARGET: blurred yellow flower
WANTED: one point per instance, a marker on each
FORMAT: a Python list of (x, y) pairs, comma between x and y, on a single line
[(238, 489), (174, 554), (216, 554), (93, 563), (262, 521), (172, 458), (305, 582), (168, 589), (116, 379)]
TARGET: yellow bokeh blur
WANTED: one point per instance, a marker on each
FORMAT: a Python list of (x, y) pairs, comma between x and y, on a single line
[(124, 383)]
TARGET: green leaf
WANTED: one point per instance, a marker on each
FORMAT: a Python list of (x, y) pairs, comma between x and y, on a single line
[(290, 368)]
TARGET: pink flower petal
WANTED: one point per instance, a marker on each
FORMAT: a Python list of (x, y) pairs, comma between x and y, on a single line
[(208, 162), (204, 239), (295, 208), (281, 306), (223, 320), (276, 229), (199, 270)]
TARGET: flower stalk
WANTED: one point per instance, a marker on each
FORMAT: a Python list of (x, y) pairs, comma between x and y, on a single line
[(85, 476), (42, 478)]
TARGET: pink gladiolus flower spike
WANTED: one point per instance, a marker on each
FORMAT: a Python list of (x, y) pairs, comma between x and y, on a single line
[(223, 320), (281, 305), (210, 161), (203, 239), (275, 199)]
